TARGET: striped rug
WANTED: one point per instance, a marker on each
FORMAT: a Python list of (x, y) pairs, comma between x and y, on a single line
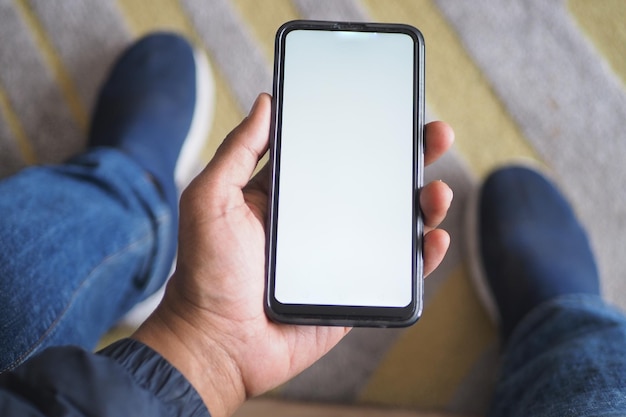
[(536, 79)]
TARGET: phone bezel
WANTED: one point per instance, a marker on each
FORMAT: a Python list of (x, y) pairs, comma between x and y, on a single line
[(364, 316)]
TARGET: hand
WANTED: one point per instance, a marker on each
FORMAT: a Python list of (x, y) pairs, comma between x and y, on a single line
[(211, 324)]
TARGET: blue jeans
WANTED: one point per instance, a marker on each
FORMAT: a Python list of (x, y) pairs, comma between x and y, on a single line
[(83, 242), (80, 244), (566, 358)]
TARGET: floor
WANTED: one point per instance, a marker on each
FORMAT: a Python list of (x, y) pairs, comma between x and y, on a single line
[(273, 408)]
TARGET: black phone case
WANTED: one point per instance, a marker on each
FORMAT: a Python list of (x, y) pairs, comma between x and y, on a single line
[(331, 315)]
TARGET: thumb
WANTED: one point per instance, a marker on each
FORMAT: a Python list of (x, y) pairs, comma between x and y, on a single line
[(237, 157)]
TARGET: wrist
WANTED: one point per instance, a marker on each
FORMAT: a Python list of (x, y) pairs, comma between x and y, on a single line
[(199, 356)]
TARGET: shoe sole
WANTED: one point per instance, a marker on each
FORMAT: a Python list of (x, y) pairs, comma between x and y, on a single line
[(478, 277), (189, 162)]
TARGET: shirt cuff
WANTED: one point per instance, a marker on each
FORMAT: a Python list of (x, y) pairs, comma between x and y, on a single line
[(155, 374)]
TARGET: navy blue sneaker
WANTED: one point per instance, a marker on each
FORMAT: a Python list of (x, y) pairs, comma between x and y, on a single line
[(528, 246), (156, 106)]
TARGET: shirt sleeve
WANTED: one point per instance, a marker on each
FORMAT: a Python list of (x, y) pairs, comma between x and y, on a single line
[(126, 378)]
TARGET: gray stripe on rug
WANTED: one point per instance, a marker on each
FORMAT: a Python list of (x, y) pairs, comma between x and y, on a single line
[(88, 35), (569, 104), (233, 48), (32, 91), (341, 375), (341, 10)]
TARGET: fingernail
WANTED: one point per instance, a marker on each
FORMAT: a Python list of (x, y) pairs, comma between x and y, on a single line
[(450, 194)]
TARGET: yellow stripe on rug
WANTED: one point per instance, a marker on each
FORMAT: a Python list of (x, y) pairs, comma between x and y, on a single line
[(603, 22), (24, 145), (456, 90), (145, 17)]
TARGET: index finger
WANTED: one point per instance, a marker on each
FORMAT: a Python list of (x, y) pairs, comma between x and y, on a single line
[(237, 157), (438, 137)]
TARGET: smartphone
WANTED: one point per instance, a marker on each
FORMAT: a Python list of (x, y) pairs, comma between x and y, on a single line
[(344, 227)]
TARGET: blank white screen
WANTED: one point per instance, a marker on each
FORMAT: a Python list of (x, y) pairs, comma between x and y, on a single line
[(345, 203)]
